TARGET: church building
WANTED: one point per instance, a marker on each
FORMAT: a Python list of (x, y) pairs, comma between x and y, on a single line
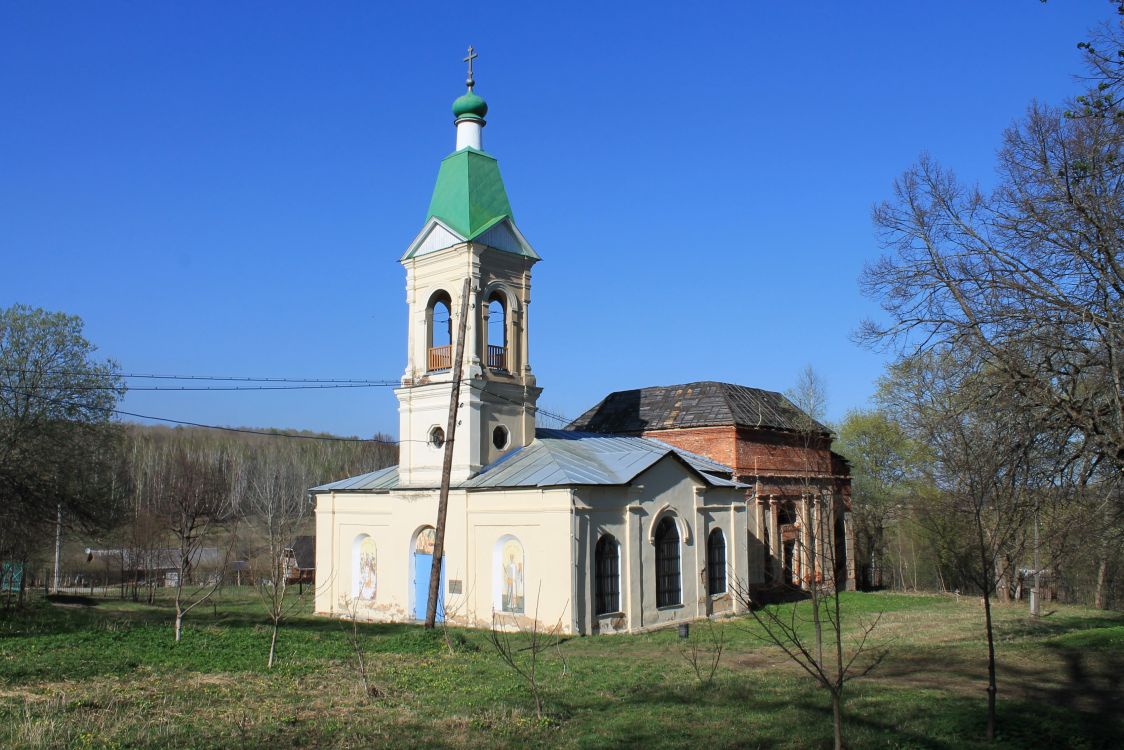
[(588, 530)]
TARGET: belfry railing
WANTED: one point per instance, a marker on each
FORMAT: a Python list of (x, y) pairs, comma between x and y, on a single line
[(439, 358), (497, 357)]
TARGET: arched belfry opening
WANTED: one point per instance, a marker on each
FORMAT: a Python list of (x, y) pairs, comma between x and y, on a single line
[(439, 332), (498, 332)]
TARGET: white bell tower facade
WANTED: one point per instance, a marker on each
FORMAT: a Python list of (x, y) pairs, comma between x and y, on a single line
[(469, 233)]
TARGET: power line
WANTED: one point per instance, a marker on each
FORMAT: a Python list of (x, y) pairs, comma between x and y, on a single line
[(266, 433), (289, 384), (227, 378), (132, 388), (186, 423)]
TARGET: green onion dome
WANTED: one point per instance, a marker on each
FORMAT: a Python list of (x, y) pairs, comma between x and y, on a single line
[(470, 107)]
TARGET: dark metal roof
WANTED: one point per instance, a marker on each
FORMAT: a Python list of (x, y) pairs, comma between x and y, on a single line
[(703, 404)]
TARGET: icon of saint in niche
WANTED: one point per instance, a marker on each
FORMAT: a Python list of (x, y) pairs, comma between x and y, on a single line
[(512, 560), (368, 582)]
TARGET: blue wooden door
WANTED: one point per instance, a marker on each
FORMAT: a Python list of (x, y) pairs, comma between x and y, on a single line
[(423, 566)]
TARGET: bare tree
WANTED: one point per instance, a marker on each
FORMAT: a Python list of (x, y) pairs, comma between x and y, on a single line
[(195, 502), (351, 607), (704, 653), (991, 465), (784, 626), (277, 508), (826, 655), (1028, 276), (525, 660)]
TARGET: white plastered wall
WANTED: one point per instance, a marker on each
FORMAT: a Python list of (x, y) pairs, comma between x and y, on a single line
[(538, 518)]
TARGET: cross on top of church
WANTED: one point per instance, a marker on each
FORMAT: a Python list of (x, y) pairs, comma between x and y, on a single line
[(471, 56)]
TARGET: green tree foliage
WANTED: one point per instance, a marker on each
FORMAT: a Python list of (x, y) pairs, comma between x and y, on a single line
[(57, 445), (886, 470)]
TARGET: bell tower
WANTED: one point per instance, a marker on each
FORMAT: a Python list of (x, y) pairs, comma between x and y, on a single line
[(469, 233)]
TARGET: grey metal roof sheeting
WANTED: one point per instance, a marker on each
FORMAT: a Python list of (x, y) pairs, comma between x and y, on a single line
[(559, 458), (702, 404), (383, 479)]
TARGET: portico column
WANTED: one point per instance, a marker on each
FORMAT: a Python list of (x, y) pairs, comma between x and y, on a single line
[(807, 541), (775, 539), (823, 530), (762, 541)]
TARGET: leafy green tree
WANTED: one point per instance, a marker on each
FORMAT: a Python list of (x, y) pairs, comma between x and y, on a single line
[(886, 471), (58, 448)]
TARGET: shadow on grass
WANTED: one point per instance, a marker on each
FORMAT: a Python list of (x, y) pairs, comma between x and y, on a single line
[(1054, 624)]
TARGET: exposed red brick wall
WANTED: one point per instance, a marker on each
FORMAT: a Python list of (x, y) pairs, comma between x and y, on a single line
[(717, 443), (781, 454), (787, 464)]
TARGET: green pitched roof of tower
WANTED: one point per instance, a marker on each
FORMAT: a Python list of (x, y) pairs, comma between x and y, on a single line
[(469, 195)]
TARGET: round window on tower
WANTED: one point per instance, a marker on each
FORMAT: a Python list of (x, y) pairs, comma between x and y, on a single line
[(437, 437), (500, 437)]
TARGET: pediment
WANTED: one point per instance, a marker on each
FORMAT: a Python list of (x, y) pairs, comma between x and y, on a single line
[(436, 235), (504, 235)]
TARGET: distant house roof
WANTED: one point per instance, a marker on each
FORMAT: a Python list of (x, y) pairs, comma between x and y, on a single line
[(304, 552), (703, 404), (560, 458)]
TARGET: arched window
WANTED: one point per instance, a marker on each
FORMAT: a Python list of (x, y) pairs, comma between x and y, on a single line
[(668, 588), (716, 562), (509, 576), (497, 332), (439, 332), (607, 582), (364, 569)]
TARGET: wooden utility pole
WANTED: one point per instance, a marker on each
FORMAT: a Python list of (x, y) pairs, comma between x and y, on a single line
[(447, 466)]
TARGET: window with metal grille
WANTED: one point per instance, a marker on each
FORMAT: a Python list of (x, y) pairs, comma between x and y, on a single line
[(667, 563), (608, 580), (716, 563)]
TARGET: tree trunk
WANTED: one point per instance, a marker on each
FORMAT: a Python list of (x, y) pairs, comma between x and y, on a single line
[(272, 645), (991, 688), (1102, 582), (837, 715), (179, 624), (23, 581)]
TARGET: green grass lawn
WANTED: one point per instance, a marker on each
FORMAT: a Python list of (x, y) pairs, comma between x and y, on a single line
[(110, 675)]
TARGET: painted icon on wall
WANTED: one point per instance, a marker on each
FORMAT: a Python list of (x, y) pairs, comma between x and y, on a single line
[(368, 580), (426, 539), (511, 599)]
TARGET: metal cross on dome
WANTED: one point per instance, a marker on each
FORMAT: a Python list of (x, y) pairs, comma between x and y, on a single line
[(471, 56)]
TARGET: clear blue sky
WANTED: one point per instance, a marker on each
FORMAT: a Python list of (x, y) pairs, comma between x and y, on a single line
[(225, 188)]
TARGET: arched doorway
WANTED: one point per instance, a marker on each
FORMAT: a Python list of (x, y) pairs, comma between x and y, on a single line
[(422, 569)]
